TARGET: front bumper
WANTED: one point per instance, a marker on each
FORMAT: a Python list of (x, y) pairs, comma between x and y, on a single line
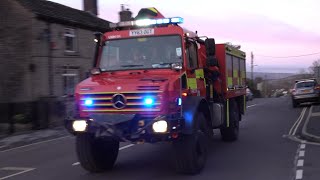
[(127, 127)]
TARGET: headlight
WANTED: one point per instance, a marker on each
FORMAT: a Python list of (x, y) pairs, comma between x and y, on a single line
[(160, 126), (79, 125)]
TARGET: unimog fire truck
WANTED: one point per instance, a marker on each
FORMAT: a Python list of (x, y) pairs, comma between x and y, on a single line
[(154, 81)]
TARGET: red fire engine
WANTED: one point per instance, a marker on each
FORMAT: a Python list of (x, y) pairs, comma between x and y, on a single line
[(155, 81)]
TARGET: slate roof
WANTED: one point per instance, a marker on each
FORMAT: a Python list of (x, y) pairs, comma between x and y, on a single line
[(57, 12)]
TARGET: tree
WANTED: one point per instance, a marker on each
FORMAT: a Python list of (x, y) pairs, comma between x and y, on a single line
[(258, 80), (314, 65)]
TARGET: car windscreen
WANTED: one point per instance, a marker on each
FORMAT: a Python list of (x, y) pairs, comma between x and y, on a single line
[(141, 53)]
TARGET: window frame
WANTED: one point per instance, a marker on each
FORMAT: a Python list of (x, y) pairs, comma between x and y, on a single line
[(181, 41), (195, 55), (70, 33)]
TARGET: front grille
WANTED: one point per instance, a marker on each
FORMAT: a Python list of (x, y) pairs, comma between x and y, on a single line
[(109, 102), (148, 88)]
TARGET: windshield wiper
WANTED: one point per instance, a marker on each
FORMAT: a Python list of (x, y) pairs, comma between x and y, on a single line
[(132, 65), (165, 63)]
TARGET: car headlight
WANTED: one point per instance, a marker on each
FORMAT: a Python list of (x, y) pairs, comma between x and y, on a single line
[(160, 126), (79, 125)]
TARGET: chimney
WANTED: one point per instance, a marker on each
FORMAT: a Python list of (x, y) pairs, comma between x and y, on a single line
[(125, 14), (90, 6)]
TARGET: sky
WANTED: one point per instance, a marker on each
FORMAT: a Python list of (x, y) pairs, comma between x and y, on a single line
[(267, 28)]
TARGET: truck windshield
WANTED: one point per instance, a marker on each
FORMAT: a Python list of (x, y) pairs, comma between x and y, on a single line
[(141, 53)]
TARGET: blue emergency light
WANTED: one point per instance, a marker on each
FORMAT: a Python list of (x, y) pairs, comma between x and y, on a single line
[(148, 101), (148, 22), (179, 101), (88, 102)]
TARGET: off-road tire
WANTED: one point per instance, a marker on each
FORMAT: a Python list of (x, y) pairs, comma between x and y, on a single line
[(231, 133), (96, 154), (205, 127), (190, 151)]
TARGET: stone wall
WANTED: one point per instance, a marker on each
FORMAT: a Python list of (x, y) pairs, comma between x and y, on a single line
[(15, 48)]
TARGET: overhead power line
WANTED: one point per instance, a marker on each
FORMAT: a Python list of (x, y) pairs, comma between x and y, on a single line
[(301, 55)]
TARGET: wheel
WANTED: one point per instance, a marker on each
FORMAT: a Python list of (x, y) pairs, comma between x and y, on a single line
[(190, 152), (96, 154), (231, 133), (294, 104), (205, 127)]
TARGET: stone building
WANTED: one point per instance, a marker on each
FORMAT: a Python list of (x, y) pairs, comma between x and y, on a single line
[(45, 49)]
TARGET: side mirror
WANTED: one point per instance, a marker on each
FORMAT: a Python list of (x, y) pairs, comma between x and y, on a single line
[(95, 71), (212, 61), (97, 37), (210, 47)]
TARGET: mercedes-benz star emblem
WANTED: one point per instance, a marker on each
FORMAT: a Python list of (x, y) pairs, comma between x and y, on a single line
[(118, 101)]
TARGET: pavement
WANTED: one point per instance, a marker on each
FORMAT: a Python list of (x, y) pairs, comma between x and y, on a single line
[(30, 137), (311, 128), (270, 147)]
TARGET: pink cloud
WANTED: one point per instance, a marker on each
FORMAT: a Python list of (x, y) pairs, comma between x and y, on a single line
[(253, 29), (258, 33)]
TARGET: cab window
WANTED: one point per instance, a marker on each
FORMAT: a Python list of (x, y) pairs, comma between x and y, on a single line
[(192, 57)]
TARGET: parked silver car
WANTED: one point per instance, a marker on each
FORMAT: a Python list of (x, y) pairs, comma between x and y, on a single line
[(249, 95), (305, 91)]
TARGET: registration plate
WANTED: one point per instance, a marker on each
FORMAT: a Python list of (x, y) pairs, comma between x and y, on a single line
[(141, 32), (306, 91)]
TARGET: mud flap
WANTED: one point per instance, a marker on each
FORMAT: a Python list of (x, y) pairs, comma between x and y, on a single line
[(190, 107)]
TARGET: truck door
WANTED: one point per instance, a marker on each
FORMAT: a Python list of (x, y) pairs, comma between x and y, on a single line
[(195, 75)]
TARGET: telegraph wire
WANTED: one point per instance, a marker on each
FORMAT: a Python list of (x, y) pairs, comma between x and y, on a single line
[(294, 56)]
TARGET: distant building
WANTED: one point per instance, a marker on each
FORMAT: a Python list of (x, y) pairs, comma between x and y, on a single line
[(45, 49), (260, 86)]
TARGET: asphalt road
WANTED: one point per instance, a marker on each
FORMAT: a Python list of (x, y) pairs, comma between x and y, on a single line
[(263, 152)]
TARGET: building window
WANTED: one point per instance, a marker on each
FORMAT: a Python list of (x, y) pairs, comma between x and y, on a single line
[(70, 80), (70, 40)]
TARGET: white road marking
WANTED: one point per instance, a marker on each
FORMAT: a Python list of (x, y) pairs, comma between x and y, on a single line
[(295, 123), (299, 174), (2, 147), (315, 114), (295, 130), (76, 164), (252, 105), (23, 170), (125, 147), (301, 153), (15, 168), (304, 128), (300, 162), (32, 144), (121, 148), (302, 141)]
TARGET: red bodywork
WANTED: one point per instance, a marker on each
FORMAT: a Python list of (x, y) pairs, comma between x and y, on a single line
[(221, 56), (164, 84)]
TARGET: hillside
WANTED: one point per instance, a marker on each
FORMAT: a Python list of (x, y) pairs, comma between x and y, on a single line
[(266, 75)]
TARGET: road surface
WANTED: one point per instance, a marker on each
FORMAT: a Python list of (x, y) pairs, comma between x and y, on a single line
[(264, 151)]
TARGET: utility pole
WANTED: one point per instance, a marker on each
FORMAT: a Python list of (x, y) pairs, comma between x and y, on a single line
[(265, 86), (252, 69)]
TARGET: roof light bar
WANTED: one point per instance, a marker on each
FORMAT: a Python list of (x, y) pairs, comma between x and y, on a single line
[(147, 22)]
